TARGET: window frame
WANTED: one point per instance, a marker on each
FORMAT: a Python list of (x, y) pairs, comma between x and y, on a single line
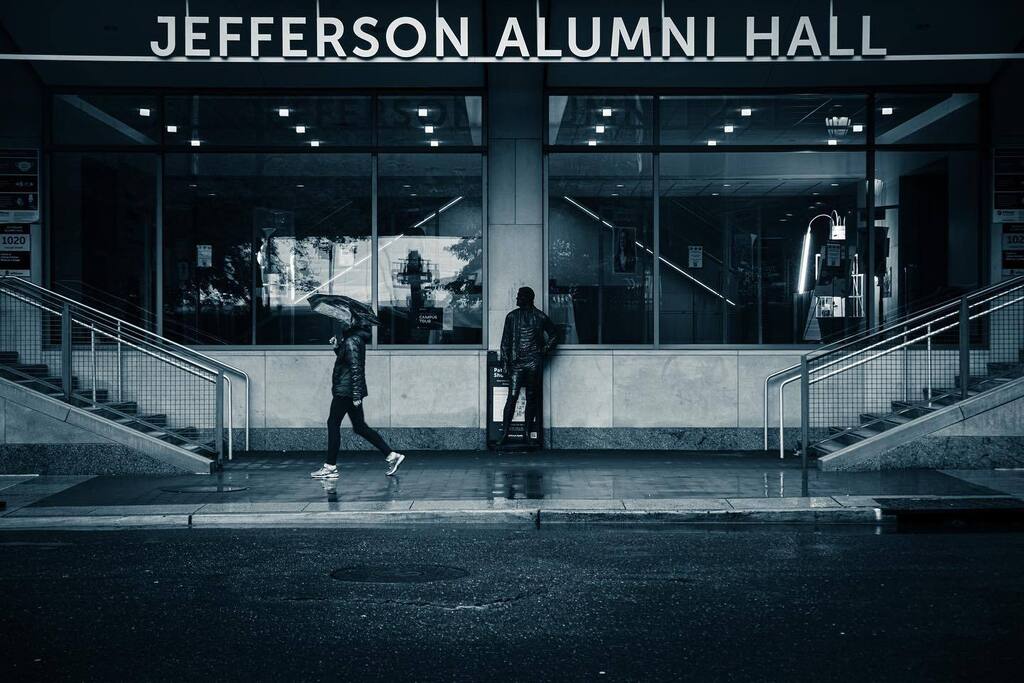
[(868, 148), (162, 149)]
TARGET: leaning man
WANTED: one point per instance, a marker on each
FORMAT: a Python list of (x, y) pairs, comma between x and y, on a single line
[(528, 336)]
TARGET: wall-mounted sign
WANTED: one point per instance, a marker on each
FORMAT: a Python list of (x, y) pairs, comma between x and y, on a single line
[(696, 256), (19, 186), (431, 318), (16, 250), (1013, 249), (204, 256), (1008, 186)]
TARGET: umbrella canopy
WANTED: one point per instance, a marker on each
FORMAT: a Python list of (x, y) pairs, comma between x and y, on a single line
[(343, 308)]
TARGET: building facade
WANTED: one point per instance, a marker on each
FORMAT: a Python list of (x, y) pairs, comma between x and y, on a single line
[(690, 228)]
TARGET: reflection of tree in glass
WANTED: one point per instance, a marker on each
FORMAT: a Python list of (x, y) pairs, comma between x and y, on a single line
[(465, 287), (223, 284)]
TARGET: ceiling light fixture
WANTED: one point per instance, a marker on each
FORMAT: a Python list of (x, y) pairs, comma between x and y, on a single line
[(172, 129), (421, 112), (300, 129), (858, 128), (746, 111), (283, 112), (592, 143), (314, 143), (599, 129), (144, 111), (428, 129), (194, 143), (729, 129), (606, 112), (833, 143), (712, 143), (886, 111)]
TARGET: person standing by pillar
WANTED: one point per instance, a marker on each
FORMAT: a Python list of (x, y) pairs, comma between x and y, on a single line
[(528, 336)]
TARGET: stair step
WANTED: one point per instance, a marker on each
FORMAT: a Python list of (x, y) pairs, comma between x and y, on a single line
[(143, 423), (16, 371), (208, 448), (115, 410), (826, 447)]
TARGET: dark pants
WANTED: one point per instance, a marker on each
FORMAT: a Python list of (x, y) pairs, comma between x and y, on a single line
[(527, 378), (341, 406)]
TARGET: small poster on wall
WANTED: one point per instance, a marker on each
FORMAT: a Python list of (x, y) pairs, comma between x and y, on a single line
[(1013, 249), (624, 253), (696, 257), (16, 250), (19, 186)]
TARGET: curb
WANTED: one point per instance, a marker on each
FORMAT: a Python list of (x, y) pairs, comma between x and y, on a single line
[(392, 518)]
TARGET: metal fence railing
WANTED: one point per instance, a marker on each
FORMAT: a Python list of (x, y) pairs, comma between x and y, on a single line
[(932, 359), (124, 373)]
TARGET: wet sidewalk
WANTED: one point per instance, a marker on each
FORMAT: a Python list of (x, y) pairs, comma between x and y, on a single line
[(442, 486)]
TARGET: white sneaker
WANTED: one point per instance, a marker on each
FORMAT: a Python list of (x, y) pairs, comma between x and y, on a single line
[(325, 472), (393, 461)]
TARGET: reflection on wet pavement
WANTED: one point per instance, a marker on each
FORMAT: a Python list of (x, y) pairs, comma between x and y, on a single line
[(533, 476)]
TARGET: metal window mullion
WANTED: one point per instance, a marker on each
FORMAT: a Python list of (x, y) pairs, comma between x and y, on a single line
[(158, 246), (656, 272), (485, 316), (374, 254)]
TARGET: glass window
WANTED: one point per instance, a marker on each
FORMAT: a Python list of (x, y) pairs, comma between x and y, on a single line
[(763, 120), (754, 245), (925, 119), (283, 121), (430, 120), (595, 120), (103, 231), (600, 250), (927, 221), (430, 249), (305, 218), (106, 119)]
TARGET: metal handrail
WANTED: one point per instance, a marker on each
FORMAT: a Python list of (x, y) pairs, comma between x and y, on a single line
[(163, 341), (1007, 285)]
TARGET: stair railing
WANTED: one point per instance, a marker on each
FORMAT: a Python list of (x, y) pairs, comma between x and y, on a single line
[(49, 329), (899, 364), (793, 373)]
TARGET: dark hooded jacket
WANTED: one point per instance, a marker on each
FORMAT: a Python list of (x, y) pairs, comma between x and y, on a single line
[(349, 376), (527, 337)]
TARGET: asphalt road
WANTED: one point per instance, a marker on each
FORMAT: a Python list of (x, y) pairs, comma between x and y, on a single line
[(757, 603)]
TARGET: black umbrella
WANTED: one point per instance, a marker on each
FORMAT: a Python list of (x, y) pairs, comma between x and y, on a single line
[(343, 308)]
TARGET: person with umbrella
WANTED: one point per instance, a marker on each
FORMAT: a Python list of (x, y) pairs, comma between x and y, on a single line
[(348, 380)]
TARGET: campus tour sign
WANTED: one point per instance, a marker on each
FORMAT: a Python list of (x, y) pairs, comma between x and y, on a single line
[(406, 38)]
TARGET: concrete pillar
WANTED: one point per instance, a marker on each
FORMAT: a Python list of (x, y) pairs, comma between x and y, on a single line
[(515, 197)]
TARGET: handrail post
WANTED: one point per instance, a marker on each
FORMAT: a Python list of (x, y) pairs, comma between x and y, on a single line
[(965, 347), (120, 369), (782, 427), (219, 435), (766, 413), (230, 420), (805, 412), (65, 350), (929, 364), (906, 367)]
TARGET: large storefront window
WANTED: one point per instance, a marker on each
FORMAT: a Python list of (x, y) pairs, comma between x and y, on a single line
[(305, 218), (430, 249), (103, 231), (225, 213), (765, 227), (734, 232), (600, 258)]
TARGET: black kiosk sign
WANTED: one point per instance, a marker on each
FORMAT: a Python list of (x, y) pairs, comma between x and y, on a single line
[(19, 186), (497, 392), (16, 250)]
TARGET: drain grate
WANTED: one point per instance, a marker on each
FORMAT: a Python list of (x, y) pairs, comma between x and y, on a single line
[(409, 573), (208, 488)]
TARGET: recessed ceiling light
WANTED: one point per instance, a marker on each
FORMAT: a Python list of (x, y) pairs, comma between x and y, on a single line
[(194, 143), (428, 129), (412, 194), (712, 143), (599, 129), (858, 128), (314, 143), (746, 111), (283, 112), (406, 187), (833, 143), (726, 185), (782, 220), (144, 111), (421, 112), (815, 193), (729, 129), (172, 129), (615, 194), (835, 184), (606, 112), (886, 111), (212, 194), (300, 186), (619, 185), (592, 143), (300, 129), (434, 143), (714, 194), (192, 185)]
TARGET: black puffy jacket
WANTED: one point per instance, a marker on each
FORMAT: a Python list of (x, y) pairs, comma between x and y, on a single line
[(528, 335), (349, 376)]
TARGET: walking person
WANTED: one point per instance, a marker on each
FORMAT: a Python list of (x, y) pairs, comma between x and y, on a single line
[(528, 336), (348, 387)]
